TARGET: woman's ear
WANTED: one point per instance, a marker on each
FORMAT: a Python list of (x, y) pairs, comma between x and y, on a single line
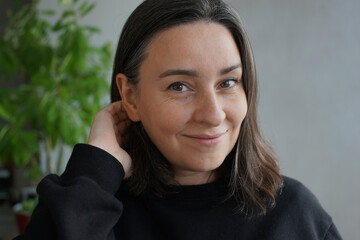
[(128, 95)]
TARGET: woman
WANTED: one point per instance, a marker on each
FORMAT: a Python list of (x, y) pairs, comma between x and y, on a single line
[(178, 154)]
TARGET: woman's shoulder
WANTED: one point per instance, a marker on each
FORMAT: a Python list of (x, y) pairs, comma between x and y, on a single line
[(297, 194), (293, 189), (297, 208), (294, 196)]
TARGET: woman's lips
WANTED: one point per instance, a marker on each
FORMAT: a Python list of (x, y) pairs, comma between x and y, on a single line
[(207, 140)]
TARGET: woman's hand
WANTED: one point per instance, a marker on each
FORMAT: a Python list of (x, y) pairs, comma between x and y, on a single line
[(107, 132)]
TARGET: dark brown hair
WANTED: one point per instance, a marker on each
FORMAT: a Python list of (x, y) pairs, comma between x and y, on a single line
[(251, 168)]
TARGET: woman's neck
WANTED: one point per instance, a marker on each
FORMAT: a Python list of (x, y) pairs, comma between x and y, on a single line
[(195, 178)]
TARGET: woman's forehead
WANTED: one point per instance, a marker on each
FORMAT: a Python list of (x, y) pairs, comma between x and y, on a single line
[(198, 46)]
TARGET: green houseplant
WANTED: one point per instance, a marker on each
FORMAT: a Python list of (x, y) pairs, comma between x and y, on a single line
[(53, 80)]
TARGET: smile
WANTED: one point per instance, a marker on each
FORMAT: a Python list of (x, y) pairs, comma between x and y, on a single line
[(206, 140)]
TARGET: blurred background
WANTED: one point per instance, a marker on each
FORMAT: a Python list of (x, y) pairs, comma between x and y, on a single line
[(308, 60)]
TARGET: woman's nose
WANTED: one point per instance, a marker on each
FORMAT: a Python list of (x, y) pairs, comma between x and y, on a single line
[(209, 109)]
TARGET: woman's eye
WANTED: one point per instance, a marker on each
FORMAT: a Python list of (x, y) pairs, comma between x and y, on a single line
[(228, 83), (178, 87)]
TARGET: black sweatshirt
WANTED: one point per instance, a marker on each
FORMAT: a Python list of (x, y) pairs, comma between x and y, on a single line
[(85, 203)]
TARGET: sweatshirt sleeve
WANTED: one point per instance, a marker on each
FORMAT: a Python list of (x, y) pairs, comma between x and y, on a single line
[(80, 204), (332, 233)]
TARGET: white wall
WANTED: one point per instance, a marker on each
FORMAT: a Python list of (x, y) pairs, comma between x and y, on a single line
[(307, 55)]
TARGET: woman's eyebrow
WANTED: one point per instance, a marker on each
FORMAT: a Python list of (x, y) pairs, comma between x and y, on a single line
[(229, 69), (193, 73), (190, 73)]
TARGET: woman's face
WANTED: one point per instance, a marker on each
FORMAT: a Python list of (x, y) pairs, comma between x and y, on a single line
[(190, 98)]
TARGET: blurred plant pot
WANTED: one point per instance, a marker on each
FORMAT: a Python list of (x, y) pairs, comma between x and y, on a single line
[(21, 217), (23, 211)]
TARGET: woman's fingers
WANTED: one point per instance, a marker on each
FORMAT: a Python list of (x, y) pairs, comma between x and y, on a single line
[(121, 129), (118, 112), (107, 132)]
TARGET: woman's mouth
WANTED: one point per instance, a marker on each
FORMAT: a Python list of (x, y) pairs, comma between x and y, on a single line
[(205, 139)]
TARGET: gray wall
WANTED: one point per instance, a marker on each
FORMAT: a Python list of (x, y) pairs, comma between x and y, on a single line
[(307, 55)]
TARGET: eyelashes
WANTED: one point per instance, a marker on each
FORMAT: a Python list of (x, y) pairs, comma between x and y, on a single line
[(183, 87), (178, 87), (229, 83)]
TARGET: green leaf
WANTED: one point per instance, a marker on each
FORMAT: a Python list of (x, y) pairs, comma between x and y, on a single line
[(3, 132), (48, 12), (20, 121), (68, 13), (58, 25), (54, 138), (30, 140), (63, 93), (9, 63), (66, 63), (17, 159), (65, 3), (4, 113), (92, 29), (87, 9), (22, 12), (28, 206), (52, 114), (35, 172), (41, 79), (83, 6)]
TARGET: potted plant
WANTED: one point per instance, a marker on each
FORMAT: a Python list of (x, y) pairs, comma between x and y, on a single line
[(53, 81), (23, 211)]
